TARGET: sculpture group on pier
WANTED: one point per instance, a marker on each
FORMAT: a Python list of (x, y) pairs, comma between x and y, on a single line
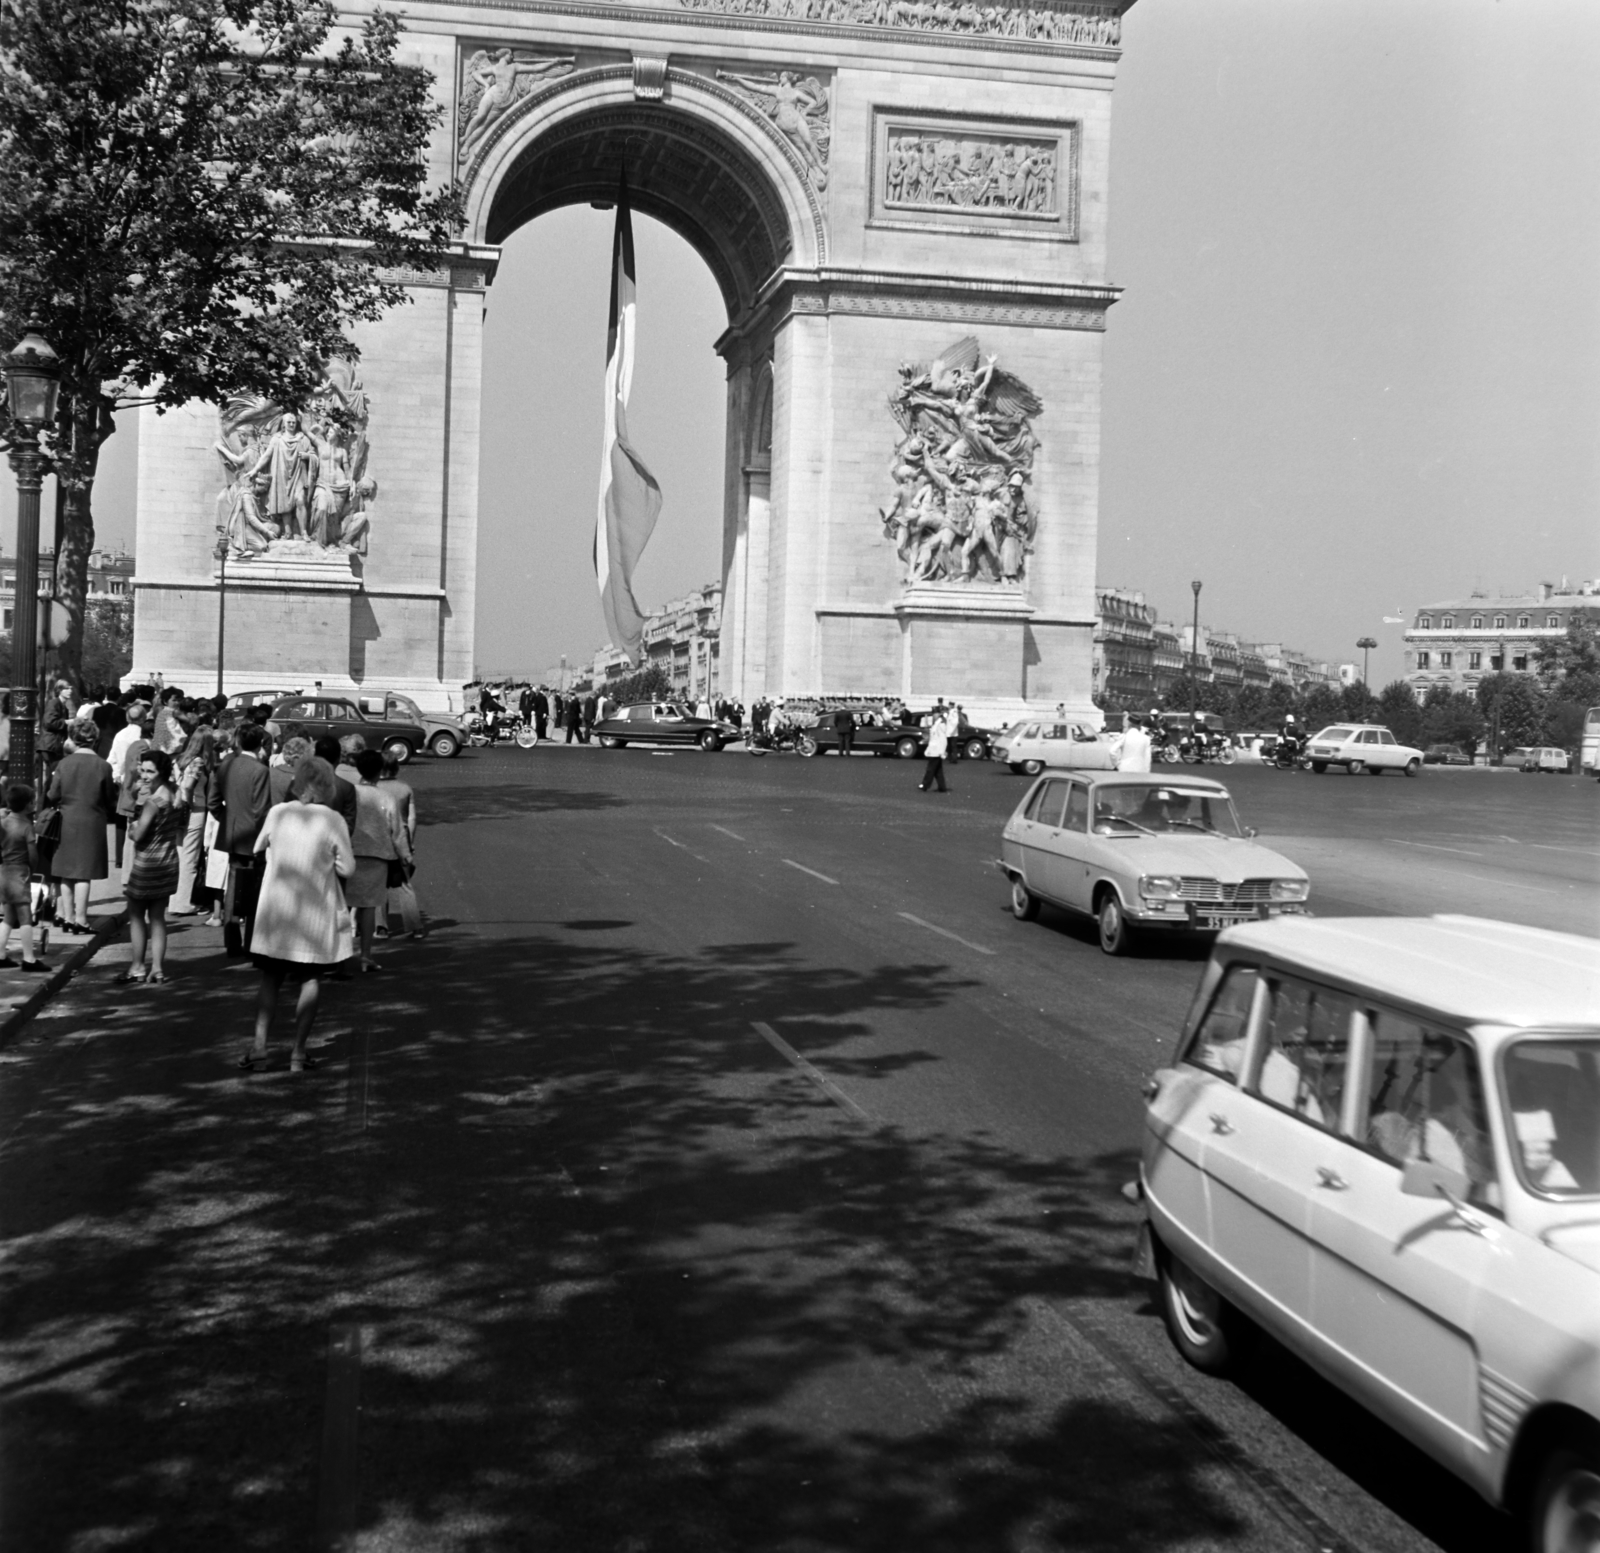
[(297, 482), (962, 509)]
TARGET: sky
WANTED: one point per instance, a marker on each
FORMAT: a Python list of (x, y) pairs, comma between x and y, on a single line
[(1355, 368)]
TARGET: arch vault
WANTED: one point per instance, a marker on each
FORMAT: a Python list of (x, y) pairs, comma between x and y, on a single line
[(903, 205)]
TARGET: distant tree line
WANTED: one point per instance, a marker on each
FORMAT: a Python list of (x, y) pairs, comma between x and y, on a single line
[(1502, 710)]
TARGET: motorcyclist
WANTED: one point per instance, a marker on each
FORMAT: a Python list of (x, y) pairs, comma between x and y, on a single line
[(1289, 739)]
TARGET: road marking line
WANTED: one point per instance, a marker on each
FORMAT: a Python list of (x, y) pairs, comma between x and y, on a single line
[(817, 1077), (337, 1474), (814, 874), (945, 932), (1545, 846), (1431, 847), (681, 846), (726, 832)]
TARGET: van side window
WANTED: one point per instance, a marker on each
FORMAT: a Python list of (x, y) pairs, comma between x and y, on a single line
[(1217, 1044), (1425, 1101), (1307, 1052)]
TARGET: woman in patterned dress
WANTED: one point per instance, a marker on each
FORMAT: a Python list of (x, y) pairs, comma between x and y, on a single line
[(154, 875)]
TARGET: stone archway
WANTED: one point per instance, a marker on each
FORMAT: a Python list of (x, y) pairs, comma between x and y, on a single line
[(888, 197)]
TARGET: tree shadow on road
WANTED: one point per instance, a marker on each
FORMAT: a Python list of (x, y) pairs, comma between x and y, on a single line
[(619, 1270)]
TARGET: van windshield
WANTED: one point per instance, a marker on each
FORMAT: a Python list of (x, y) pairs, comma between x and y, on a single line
[(1553, 1086)]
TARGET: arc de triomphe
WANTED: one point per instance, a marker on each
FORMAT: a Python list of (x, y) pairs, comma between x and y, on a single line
[(904, 205)]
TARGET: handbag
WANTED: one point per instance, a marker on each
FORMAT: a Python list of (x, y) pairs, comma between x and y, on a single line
[(399, 873), (47, 830), (216, 869)]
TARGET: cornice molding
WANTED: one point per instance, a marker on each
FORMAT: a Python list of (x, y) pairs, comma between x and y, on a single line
[(936, 298)]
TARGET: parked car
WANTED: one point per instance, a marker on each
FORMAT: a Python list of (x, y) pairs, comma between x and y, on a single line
[(243, 700), (443, 734), (1379, 1140), (1142, 852), (1361, 747), (1546, 757), (819, 736), (1445, 755), (662, 722), (1028, 748), (316, 716)]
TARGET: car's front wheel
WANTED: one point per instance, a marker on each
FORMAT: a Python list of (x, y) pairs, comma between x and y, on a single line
[(1024, 903), (445, 745), (1116, 935), (906, 749), (709, 742), (975, 749), (609, 742), (1564, 1510), (398, 751), (1032, 767), (1203, 1326)]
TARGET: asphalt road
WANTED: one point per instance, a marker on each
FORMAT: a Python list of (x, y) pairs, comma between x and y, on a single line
[(728, 1171)]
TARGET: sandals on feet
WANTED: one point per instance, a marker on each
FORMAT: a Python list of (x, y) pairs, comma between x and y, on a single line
[(251, 1059), (304, 1063), (130, 978)]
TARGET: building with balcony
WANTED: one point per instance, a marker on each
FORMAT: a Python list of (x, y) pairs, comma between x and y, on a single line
[(1124, 645), (681, 638), (1456, 642), (110, 579)]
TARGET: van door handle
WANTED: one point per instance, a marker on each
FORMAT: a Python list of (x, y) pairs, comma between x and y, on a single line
[(1332, 1179), (1221, 1124)]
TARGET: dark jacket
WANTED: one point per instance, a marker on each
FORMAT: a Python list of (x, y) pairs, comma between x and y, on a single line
[(53, 727), (240, 799)]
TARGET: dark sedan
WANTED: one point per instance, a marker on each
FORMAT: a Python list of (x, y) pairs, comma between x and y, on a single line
[(906, 740), (1446, 755), (663, 722), (315, 716)]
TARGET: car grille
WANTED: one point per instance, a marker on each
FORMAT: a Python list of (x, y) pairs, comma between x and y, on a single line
[(1252, 892)]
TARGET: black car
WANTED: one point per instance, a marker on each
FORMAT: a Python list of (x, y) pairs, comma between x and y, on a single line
[(663, 722), (907, 740), (1445, 755), (315, 716)]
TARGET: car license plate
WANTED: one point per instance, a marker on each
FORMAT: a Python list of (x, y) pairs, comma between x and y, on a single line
[(1222, 919)]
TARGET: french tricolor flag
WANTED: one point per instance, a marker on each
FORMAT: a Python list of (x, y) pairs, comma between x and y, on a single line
[(630, 499)]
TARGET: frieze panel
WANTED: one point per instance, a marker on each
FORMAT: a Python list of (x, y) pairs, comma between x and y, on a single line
[(990, 176), (1089, 26), (799, 106), (493, 81)]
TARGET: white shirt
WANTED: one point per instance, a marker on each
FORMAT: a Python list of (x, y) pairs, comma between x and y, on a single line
[(1135, 753), (939, 736), (120, 745)]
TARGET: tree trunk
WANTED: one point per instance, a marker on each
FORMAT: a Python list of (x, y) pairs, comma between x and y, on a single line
[(83, 425)]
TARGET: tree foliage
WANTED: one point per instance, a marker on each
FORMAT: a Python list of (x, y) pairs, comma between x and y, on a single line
[(650, 683), (197, 198)]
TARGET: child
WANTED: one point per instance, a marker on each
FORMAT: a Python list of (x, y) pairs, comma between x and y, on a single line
[(154, 874), (19, 858)]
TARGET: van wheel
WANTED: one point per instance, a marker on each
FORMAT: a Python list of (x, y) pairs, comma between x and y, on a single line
[(1032, 767), (1564, 1511), (1209, 1333), (1024, 903), (1116, 937), (1355, 768)]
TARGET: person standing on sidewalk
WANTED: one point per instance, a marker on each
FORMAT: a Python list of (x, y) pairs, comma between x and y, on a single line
[(402, 897), (301, 927), (380, 840), (154, 875), (19, 861), (82, 788), (192, 772), (241, 798), (937, 748)]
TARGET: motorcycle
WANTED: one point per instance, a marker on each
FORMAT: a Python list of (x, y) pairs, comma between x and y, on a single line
[(503, 730), (1287, 753), (780, 740), (1195, 749)]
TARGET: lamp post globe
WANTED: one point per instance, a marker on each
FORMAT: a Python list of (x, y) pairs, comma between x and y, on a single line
[(33, 381), (1366, 644)]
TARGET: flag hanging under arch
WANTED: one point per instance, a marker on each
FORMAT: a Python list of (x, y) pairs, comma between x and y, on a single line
[(630, 499)]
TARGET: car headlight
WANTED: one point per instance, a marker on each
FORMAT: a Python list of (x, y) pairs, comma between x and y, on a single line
[(1290, 889), (1159, 887)]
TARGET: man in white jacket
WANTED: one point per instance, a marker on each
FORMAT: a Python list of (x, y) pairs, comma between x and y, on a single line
[(1135, 752), (940, 732)]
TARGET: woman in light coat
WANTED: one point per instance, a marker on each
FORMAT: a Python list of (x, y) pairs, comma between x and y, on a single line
[(302, 927)]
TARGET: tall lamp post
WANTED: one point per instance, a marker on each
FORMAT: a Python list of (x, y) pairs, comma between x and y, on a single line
[(33, 379), (221, 553), (1366, 644), (1194, 661)]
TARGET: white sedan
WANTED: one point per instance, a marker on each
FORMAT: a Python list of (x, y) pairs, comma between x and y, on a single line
[(1139, 852), (1028, 748), (1379, 1140), (1361, 747)]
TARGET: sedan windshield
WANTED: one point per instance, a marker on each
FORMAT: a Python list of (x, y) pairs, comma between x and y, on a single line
[(1162, 808), (1554, 1090)]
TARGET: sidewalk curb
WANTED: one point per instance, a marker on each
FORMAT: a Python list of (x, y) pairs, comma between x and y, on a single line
[(14, 1022)]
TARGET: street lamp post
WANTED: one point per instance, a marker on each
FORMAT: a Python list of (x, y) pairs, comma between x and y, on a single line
[(1366, 644), (222, 606), (33, 379), (1194, 661)]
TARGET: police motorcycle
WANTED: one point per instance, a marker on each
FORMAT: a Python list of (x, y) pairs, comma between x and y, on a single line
[(1288, 751)]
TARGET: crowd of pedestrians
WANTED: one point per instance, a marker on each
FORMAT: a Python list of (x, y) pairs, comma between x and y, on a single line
[(299, 851)]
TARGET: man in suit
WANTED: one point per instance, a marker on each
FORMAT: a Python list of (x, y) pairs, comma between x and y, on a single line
[(541, 712), (240, 800), (844, 724), (591, 703), (573, 720)]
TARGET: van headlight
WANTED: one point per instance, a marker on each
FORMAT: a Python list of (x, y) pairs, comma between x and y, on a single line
[(1159, 887), (1291, 889)]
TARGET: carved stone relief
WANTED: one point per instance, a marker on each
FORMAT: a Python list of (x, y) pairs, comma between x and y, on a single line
[(495, 80), (962, 511), (928, 170), (1088, 25), (297, 483), (799, 106)]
